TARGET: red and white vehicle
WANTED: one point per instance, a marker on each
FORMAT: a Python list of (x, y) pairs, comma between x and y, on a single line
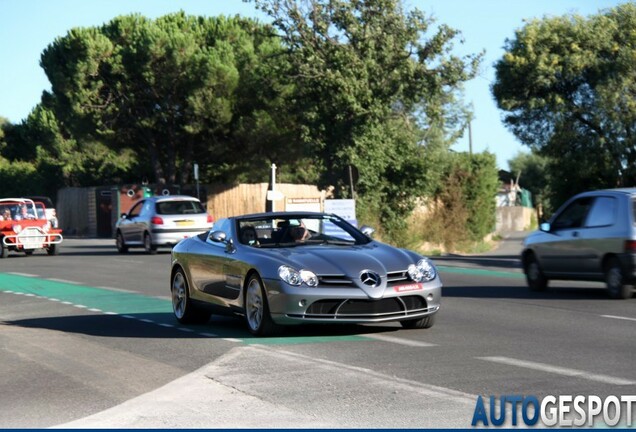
[(24, 228)]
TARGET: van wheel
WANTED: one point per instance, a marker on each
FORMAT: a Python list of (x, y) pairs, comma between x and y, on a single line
[(616, 286), (534, 276)]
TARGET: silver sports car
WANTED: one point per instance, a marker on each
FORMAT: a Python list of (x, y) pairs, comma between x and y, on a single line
[(301, 267)]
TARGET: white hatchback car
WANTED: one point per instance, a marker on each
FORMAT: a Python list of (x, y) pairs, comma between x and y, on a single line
[(161, 221)]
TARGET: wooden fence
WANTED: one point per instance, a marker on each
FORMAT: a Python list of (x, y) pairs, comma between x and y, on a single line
[(84, 211)]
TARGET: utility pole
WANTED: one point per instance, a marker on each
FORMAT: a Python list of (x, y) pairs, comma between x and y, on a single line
[(470, 138)]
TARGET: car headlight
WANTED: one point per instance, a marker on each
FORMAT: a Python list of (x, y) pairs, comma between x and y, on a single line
[(296, 278), (17, 228), (423, 271)]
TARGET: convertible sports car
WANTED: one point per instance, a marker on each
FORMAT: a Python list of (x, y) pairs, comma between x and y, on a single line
[(292, 268)]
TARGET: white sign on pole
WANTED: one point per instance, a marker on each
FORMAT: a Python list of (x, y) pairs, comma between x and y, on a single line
[(345, 208)]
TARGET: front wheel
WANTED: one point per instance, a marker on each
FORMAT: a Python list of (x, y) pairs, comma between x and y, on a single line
[(534, 276), (52, 249), (257, 315), (121, 244), (422, 323), (4, 251), (182, 307), (616, 286)]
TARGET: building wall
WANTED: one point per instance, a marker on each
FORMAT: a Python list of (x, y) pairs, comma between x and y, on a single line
[(513, 219)]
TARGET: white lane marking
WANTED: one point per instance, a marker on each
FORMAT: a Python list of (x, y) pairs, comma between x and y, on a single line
[(63, 281), (94, 310), (606, 379), (396, 340), (619, 317), (22, 274), (232, 340), (129, 261)]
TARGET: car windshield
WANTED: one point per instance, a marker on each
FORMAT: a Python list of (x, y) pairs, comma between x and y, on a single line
[(18, 210), (179, 207), (298, 230)]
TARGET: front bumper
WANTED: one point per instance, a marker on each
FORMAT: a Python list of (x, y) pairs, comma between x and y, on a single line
[(31, 238), (297, 305)]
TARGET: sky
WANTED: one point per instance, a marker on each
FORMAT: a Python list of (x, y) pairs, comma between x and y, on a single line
[(27, 27)]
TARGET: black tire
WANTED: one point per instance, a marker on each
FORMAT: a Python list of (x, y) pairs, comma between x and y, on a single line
[(52, 249), (185, 311), (422, 323), (28, 252), (534, 275), (120, 243), (257, 316), (148, 246), (615, 281), (4, 251)]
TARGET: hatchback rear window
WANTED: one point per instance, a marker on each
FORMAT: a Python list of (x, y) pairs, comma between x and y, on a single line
[(179, 207)]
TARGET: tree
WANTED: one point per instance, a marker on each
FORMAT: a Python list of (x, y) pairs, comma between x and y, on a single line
[(568, 86), (362, 70), (172, 90)]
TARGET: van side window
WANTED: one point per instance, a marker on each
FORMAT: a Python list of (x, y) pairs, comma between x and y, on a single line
[(602, 213)]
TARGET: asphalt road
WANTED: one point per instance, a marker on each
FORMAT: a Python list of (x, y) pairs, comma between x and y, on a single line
[(87, 339)]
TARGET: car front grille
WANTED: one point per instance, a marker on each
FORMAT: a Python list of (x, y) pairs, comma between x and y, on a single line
[(334, 281), (366, 310)]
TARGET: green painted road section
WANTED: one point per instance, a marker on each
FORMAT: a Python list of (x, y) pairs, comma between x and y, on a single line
[(480, 272), (159, 311)]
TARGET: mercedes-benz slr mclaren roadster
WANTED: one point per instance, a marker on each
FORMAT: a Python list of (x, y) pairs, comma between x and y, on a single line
[(293, 268)]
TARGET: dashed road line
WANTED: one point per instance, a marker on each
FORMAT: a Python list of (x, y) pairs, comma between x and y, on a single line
[(543, 367), (619, 317), (23, 274), (400, 341), (63, 281)]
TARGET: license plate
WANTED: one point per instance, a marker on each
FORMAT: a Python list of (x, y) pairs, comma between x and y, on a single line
[(409, 287), (35, 242), (185, 223)]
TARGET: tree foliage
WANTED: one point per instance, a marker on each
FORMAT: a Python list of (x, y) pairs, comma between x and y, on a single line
[(176, 90), (568, 86), (362, 70)]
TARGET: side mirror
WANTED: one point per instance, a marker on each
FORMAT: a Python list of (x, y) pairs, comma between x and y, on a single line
[(123, 215), (545, 227), (367, 230), (218, 237)]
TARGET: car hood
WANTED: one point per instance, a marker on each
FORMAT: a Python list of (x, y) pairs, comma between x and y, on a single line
[(533, 237), (346, 260)]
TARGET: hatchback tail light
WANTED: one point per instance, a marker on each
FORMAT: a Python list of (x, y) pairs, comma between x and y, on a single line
[(210, 219), (156, 220), (630, 246)]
